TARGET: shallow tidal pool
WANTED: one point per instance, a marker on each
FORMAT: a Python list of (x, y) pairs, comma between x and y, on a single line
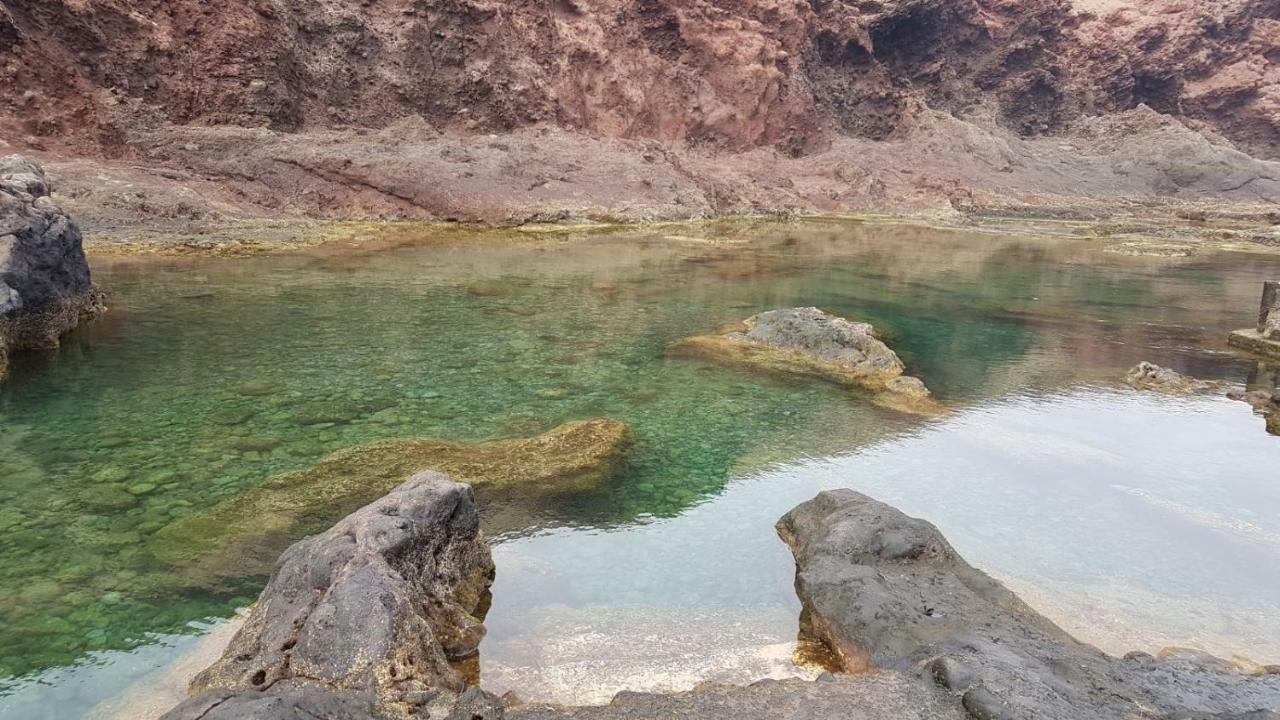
[(1134, 520)]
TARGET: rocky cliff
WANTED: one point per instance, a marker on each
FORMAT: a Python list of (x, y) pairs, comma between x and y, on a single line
[(789, 73), (639, 109)]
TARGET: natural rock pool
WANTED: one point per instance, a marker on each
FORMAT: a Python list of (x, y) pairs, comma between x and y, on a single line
[(1134, 520)]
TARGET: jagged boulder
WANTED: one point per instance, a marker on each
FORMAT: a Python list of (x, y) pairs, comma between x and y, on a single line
[(364, 618), (810, 342), (884, 590), (45, 285)]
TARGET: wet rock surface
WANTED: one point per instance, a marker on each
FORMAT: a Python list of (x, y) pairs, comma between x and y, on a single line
[(242, 536), (884, 590), (1149, 376), (810, 342), (45, 285), (363, 618)]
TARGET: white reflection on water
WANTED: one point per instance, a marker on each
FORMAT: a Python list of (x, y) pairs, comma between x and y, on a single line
[(1134, 520)]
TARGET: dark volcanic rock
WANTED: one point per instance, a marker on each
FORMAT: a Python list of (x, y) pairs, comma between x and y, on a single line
[(45, 288), (379, 604), (887, 591)]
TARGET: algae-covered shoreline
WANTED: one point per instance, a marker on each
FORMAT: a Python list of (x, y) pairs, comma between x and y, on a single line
[(1135, 234)]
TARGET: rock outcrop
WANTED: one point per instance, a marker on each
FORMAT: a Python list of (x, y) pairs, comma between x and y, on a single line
[(887, 591), (810, 342), (1149, 376), (244, 535), (364, 618), (45, 286)]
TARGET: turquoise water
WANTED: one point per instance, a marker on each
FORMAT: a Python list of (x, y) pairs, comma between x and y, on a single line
[(210, 375)]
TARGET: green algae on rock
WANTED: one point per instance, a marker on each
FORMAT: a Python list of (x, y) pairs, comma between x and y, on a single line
[(242, 536), (810, 342)]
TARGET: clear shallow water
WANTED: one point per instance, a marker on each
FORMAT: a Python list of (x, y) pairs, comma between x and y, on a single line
[(1133, 520), (211, 375)]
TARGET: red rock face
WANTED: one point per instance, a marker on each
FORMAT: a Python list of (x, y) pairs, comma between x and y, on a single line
[(730, 74)]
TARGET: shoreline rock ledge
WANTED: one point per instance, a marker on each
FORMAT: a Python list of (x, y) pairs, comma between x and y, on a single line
[(887, 591), (45, 285), (363, 621)]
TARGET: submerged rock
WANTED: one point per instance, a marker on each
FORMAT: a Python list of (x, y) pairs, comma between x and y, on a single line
[(45, 286), (887, 591), (1149, 376), (810, 342), (364, 618), (243, 535)]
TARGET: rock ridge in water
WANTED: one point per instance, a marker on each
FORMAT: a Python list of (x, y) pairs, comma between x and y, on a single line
[(809, 342), (884, 590), (45, 284), (243, 535), (1149, 376), (364, 618)]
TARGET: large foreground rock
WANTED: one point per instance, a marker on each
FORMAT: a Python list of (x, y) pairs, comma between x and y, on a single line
[(810, 342), (45, 287), (243, 536), (884, 590), (366, 615)]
